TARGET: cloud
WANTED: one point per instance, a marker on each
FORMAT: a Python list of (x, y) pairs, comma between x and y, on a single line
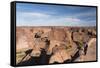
[(43, 19), (72, 19), (52, 15), (33, 14)]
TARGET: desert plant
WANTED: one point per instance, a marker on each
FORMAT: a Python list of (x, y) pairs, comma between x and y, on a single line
[(80, 44)]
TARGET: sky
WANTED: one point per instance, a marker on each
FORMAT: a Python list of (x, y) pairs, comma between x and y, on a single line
[(54, 15)]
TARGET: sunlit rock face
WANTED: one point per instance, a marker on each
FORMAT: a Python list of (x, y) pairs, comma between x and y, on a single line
[(60, 37), (60, 56), (57, 36), (22, 43), (81, 35), (62, 43), (21, 39), (24, 39)]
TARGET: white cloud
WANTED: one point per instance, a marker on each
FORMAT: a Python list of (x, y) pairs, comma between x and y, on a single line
[(33, 14), (72, 19), (36, 14), (42, 19)]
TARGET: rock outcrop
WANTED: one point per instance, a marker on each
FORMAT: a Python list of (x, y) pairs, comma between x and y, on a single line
[(60, 42)]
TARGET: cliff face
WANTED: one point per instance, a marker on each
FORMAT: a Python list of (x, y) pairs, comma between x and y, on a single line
[(24, 39), (25, 36), (61, 42)]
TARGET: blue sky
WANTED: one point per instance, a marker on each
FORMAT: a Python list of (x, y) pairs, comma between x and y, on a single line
[(54, 15)]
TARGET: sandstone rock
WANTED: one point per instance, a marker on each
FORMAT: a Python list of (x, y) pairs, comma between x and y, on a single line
[(60, 56), (62, 41)]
